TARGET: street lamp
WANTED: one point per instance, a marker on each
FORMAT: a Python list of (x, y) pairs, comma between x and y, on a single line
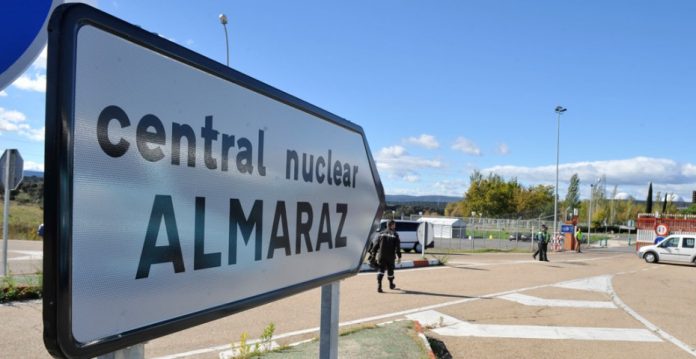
[(559, 111), (223, 21), (589, 213)]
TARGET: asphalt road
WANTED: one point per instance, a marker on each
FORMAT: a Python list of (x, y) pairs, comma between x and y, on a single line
[(598, 304)]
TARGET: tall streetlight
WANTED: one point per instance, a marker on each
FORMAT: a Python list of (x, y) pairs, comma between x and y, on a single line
[(559, 111), (589, 213), (223, 21)]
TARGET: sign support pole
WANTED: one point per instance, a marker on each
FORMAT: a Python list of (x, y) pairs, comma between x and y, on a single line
[(135, 352), (328, 332), (6, 210)]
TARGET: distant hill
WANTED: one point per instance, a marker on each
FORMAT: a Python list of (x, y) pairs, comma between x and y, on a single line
[(33, 174), (401, 198)]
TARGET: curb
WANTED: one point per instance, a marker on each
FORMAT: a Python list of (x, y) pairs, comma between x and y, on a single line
[(405, 264), (419, 330)]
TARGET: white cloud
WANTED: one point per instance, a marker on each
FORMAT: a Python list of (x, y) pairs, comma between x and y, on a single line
[(392, 151), (3, 93), (11, 121), (456, 187), (411, 178), (37, 83), (633, 171), (15, 121), (467, 146), (424, 140), (33, 166), (40, 62), (397, 163), (189, 42), (503, 149), (631, 175), (623, 196)]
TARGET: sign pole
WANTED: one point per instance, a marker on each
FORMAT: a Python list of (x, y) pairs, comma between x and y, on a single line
[(6, 210), (328, 332), (425, 241), (135, 352)]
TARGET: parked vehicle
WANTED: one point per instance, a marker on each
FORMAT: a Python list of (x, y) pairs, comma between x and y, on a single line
[(675, 248), (407, 234), (517, 236)]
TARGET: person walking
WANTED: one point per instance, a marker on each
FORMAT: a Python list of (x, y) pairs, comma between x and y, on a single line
[(578, 239), (386, 250), (542, 246)]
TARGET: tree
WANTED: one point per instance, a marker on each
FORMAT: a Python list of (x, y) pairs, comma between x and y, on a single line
[(493, 196), (648, 204), (572, 199)]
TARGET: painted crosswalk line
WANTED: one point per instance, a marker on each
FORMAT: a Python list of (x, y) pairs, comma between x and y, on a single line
[(449, 326), (543, 302)]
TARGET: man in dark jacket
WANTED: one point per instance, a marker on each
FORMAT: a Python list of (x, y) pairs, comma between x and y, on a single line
[(542, 247), (386, 249)]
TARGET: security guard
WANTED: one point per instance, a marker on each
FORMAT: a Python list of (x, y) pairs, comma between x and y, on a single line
[(386, 249), (543, 237)]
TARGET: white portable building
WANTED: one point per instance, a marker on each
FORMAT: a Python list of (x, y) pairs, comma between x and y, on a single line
[(445, 227)]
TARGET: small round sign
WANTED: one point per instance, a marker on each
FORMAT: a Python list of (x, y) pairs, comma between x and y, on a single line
[(23, 28), (662, 230)]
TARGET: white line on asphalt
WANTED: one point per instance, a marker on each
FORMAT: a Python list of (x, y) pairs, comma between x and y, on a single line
[(28, 255), (450, 326), (358, 321), (649, 325), (368, 319), (543, 302), (600, 283)]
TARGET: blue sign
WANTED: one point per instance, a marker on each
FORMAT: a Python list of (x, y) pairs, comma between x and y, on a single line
[(22, 35), (567, 228)]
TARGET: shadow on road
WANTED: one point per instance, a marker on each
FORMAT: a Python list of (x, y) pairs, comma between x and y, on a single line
[(416, 292), (576, 263), (469, 268)]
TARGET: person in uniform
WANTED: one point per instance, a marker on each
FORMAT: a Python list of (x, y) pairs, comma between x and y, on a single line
[(386, 250), (542, 247)]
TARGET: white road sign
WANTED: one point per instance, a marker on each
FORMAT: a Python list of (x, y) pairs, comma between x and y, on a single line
[(194, 191), (11, 169), (425, 233)]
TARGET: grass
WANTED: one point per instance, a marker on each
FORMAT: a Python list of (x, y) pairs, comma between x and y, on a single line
[(24, 220), (13, 288)]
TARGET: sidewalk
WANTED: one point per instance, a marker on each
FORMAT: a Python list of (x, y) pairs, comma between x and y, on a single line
[(407, 261)]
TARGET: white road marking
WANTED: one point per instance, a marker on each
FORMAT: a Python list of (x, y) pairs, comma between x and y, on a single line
[(600, 283), (375, 318), (649, 325), (450, 326), (28, 255), (543, 302)]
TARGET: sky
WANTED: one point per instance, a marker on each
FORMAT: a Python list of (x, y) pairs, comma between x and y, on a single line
[(444, 88)]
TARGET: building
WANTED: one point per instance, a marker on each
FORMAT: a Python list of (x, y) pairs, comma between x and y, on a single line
[(445, 227)]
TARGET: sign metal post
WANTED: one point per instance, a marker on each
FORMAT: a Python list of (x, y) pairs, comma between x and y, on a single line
[(11, 175), (328, 332)]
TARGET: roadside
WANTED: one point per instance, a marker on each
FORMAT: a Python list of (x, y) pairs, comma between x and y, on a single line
[(398, 339)]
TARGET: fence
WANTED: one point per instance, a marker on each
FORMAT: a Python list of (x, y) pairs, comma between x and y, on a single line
[(492, 233)]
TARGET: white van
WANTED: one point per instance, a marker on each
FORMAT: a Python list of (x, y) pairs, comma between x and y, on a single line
[(675, 248), (407, 234)]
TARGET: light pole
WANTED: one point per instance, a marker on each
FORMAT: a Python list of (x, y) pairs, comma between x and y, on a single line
[(223, 21), (559, 111), (589, 214)]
